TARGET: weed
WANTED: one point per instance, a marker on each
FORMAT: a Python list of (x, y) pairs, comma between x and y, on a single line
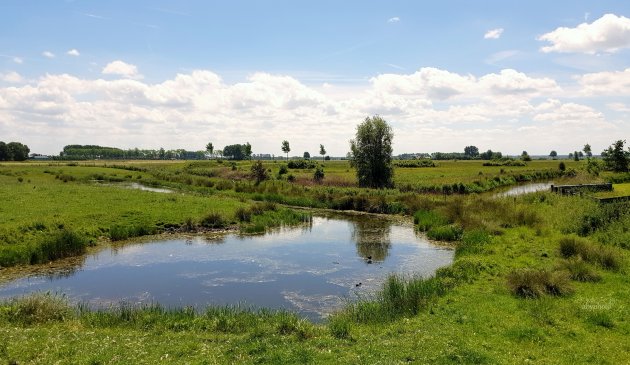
[(445, 233), (213, 220), (530, 283), (38, 308), (339, 327)]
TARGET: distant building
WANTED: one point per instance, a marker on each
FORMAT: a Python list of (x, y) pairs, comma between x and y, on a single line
[(37, 156)]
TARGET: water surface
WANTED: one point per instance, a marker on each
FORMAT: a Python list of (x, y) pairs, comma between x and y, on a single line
[(525, 189), (312, 270)]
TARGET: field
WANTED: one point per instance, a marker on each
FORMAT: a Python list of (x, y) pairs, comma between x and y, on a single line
[(539, 278)]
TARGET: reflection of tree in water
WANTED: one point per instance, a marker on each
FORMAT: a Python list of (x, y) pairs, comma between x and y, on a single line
[(371, 237)]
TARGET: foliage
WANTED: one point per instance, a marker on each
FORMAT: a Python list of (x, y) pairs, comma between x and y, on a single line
[(259, 172), (301, 164), (616, 158), (471, 151), (92, 152), (286, 148), (553, 154), (237, 151), (372, 153), (13, 151), (307, 155), (318, 175), (322, 151)]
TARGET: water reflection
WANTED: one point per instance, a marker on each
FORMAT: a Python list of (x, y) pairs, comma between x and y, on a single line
[(312, 269), (371, 238)]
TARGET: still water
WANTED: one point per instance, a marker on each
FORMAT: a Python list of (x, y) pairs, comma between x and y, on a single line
[(525, 189), (311, 270)]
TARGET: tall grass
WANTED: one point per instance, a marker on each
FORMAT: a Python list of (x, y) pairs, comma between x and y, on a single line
[(530, 283), (36, 309), (57, 245), (608, 258)]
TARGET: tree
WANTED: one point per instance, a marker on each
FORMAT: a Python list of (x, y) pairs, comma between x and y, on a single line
[(587, 150), (553, 154), (210, 148), (307, 155), (322, 151), (259, 172), (576, 156), (371, 153), (17, 151), (471, 151), (234, 152), (285, 148), (247, 150), (4, 151), (615, 158), (525, 156)]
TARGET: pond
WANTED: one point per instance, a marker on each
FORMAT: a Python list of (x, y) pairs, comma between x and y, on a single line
[(137, 186), (525, 189), (311, 270)]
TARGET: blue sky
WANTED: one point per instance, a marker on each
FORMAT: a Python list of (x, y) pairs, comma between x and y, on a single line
[(445, 74)]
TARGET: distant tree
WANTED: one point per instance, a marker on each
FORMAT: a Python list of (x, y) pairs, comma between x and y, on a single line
[(322, 151), (471, 151), (570, 155), (576, 156), (371, 153), (587, 150), (327, 158), (234, 152), (616, 158), (247, 150), (525, 156), (286, 148), (307, 155), (210, 149), (17, 151), (4, 151), (489, 155), (162, 153), (580, 154), (259, 172), (562, 166), (553, 154)]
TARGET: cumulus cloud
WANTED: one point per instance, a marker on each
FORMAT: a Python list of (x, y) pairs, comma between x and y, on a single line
[(609, 33), (493, 33), (430, 110), (48, 54), (393, 20), (606, 83), (121, 68), (11, 77), (18, 60), (73, 52)]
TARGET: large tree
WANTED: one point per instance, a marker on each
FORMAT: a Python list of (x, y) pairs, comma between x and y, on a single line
[(247, 150), (210, 149), (587, 150), (553, 154), (17, 151), (371, 153), (4, 151), (471, 151)]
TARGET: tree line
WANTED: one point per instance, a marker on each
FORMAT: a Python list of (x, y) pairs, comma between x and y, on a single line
[(13, 151), (94, 152)]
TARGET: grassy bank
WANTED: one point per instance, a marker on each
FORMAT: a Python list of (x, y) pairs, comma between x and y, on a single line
[(547, 283)]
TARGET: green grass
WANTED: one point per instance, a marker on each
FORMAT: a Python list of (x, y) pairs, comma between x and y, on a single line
[(619, 190), (569, 252)]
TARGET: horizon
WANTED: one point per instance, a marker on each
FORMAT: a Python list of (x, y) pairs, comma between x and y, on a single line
[(508, 77)]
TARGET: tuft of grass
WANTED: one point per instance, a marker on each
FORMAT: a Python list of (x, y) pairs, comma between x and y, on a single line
[(602, 319), (60, 244), (606, 257), (580, 270), (445, 233), (530, 283), (473, 242), (213, 220), (339, 327), (427, 219), (119, 232), (38, 308)]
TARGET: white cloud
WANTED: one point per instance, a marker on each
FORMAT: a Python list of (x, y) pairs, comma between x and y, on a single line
[(18, 60), (493, 33), (606, 83), (73, 52), (619, 107), (393, 20), (48, 54), (121, 68), (430, 110), (12, 77), (606, 34)]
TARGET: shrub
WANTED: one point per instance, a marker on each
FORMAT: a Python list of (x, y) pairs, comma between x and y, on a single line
[(318, 175), (282, 170), (243, 215), (562, 166), (301, 164), (530, 283), (339, 327), (473, 242), (606, 257)]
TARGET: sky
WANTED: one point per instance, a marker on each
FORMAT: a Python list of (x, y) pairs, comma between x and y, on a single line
[(507, 76)]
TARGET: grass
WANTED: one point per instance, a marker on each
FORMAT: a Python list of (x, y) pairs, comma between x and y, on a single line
[(523, 286)]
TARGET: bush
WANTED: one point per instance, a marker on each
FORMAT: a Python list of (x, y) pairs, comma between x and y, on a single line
[(301, 164), (318, 176), (339, 327), (473, 242), (529, 283)]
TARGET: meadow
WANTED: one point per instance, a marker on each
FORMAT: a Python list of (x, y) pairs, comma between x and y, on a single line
[(538, 278)]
